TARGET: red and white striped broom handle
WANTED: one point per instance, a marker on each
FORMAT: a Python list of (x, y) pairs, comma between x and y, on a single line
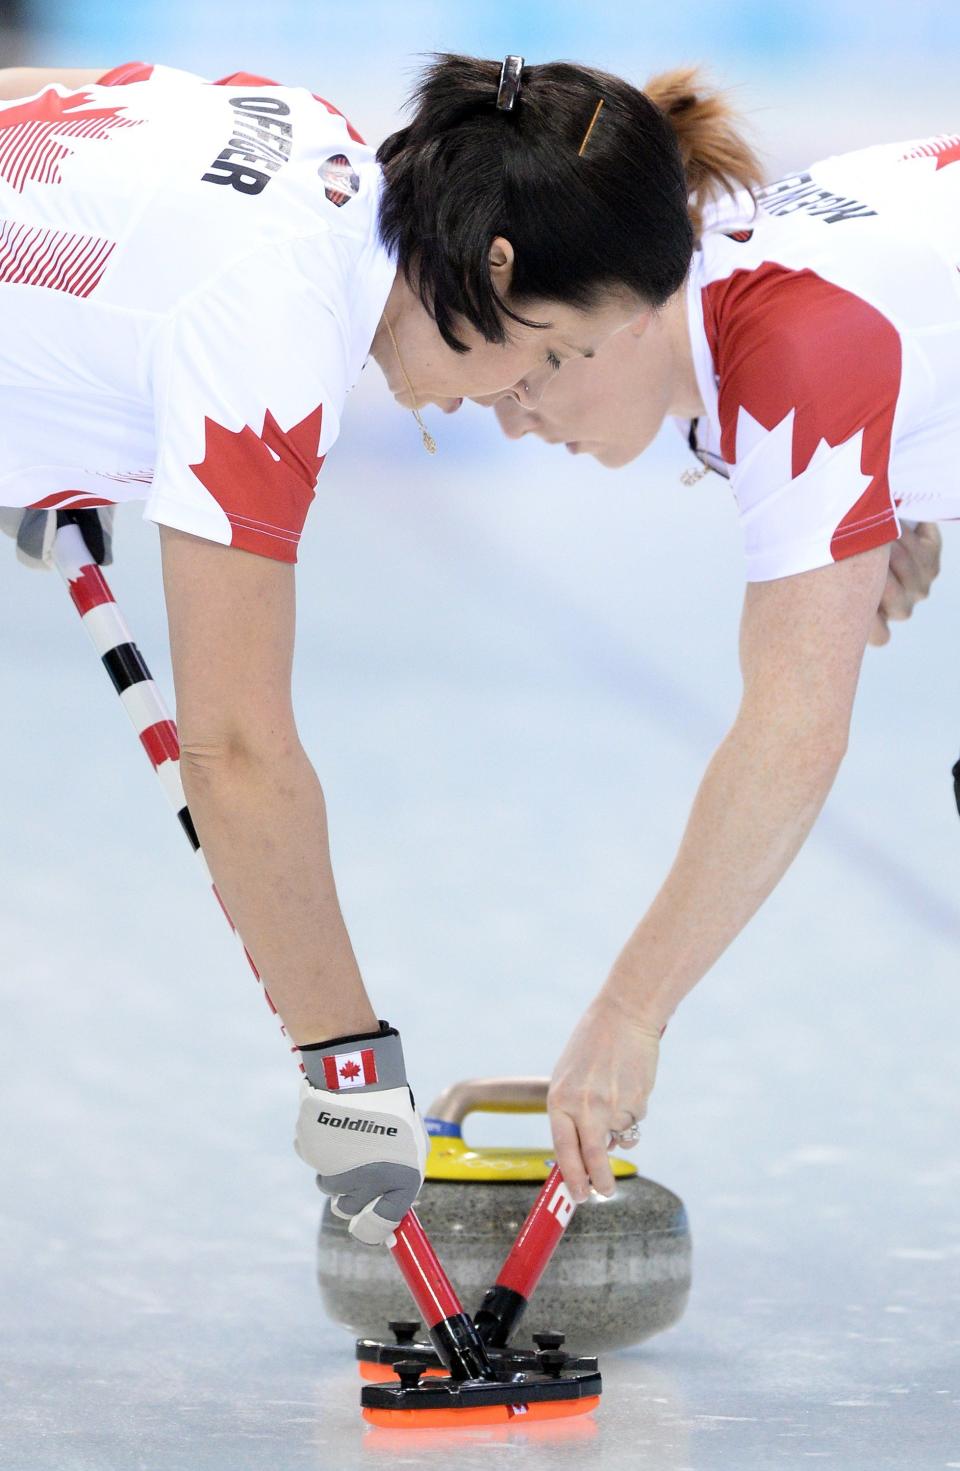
[(132, 681), (151, 720)]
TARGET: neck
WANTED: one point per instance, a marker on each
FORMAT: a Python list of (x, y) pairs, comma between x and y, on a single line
[(685, 399), (381, 348)]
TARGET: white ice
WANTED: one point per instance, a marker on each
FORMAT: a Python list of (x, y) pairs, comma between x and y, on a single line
[(511, 670)]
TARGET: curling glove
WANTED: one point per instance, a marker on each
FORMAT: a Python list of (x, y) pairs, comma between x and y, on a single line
[(36, 529), (360, 1130)]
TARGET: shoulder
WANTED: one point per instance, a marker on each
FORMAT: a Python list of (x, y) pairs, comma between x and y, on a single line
[(809, 379), (786, 340)]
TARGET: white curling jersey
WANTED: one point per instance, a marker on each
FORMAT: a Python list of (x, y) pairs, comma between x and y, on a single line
[(825, 325), (190, 281)]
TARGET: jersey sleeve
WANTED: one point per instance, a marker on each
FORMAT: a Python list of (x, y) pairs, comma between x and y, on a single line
[(127, 72), (248, 381), (809, 381)]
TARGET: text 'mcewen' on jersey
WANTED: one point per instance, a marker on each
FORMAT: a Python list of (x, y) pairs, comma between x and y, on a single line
[(825, 326), (190, 281)]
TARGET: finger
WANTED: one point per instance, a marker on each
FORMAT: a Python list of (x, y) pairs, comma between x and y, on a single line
[(566, 1143), (594, 1137), (335, 1208), (879, 633), (900, 591), (369, 1227), (929, 546), (915, 559), (928, 532)]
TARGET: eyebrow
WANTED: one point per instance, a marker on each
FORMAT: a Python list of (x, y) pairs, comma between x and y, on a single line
[(585, 352)]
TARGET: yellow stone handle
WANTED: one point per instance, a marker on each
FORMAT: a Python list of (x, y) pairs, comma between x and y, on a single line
[(490, 1095)]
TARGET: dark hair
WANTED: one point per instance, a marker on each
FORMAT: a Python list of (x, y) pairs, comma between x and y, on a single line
[(464, 172)]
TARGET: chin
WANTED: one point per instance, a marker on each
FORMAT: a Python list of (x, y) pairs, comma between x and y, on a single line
[(612, 459)]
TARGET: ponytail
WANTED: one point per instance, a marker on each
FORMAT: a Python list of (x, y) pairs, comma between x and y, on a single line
[(717, 158)]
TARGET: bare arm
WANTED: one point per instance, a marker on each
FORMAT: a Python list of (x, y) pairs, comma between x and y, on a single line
[(255, 799), (802, 644), (24, 81)]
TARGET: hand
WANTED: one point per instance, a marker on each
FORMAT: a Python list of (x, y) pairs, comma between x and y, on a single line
[(360, 1130), (914, 563), (35, 531), (600, 1085)]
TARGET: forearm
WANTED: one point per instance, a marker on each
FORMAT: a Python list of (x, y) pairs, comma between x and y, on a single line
[(263, 827), (756, 804)]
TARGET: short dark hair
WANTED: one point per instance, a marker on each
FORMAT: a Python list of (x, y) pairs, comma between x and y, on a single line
[(464, 172)]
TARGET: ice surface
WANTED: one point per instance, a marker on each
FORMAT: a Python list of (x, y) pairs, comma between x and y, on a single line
[(511, 670)]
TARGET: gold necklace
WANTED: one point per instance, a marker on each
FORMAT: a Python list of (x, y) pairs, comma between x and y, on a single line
[(429, 443)]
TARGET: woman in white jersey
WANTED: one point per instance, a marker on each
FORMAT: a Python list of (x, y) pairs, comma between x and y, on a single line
[(813, 359), (192, 276)]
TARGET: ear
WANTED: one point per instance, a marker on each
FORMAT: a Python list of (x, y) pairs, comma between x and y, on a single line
[(501, 264), (640, 324)]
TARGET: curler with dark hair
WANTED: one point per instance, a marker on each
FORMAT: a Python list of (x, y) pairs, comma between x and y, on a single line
[(463, 172)]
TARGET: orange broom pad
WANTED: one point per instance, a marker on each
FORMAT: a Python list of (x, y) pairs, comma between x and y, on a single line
[(481, 1414)]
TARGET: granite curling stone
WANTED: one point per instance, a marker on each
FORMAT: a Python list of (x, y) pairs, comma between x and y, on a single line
[(620, 1274)]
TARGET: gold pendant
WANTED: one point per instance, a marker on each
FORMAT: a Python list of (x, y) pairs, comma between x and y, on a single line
[(429, 443), (690, 477)]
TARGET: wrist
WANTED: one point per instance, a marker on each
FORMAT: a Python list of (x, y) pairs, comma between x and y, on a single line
[(633, 1005), (359, 1061)]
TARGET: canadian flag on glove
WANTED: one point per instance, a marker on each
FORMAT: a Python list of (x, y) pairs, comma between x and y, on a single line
[(350, 1069)]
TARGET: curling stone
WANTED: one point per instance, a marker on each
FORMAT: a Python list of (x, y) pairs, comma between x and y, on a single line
[(620, 1274)]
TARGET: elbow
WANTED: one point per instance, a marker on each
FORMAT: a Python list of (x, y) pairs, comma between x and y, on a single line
[(221, 759)]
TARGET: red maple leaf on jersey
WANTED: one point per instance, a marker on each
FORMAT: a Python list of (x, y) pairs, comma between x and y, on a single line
[(264, 482), (350, 1070), (32, 134)]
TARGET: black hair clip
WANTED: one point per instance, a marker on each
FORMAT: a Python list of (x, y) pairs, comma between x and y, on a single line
[(509, 89)]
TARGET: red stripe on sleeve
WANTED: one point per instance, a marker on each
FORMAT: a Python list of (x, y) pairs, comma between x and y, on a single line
[(73, 498), (330, 1073), (263, 482)]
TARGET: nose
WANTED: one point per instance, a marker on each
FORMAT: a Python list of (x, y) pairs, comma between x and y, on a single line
[(529, 391), (514, 420)]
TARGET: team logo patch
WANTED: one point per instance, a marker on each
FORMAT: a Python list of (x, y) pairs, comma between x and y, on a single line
[(340, 181), (350, 1069)]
